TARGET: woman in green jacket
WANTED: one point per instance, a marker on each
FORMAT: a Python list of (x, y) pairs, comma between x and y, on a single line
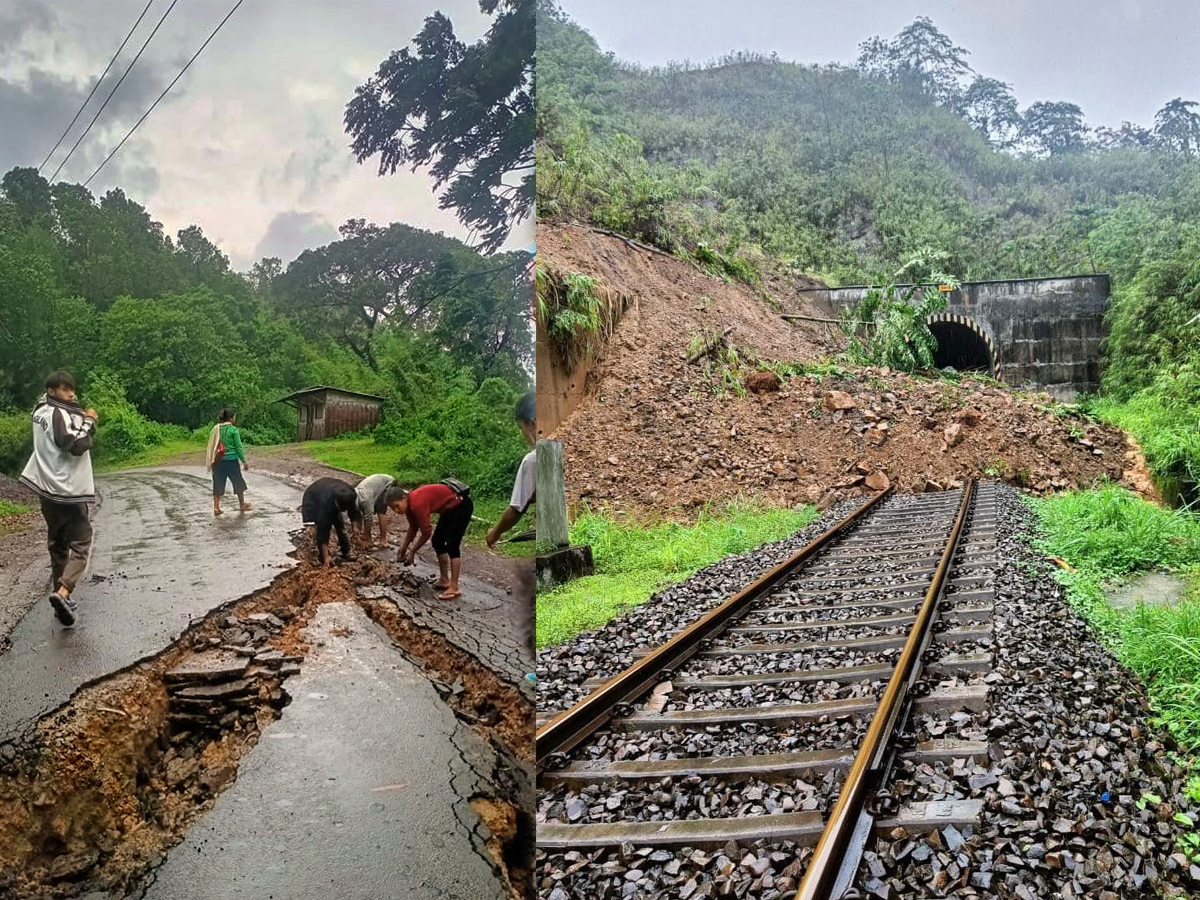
[(225, 458)]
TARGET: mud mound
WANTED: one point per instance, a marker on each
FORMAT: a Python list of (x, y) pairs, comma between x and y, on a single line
[(668, 445), (672, 301)]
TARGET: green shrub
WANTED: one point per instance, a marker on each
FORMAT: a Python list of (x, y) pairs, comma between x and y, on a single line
[(122, 432), (16, 441), (890, 325)]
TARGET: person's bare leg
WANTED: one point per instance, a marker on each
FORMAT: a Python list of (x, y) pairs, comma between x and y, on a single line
[(452, 591), (443, 581), (242, 501), (216, 504)]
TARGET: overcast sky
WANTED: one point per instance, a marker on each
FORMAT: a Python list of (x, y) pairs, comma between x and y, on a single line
[(249, 144), (1118, 59)]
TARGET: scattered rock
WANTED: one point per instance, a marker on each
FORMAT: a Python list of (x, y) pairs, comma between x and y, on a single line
[(839, 400)]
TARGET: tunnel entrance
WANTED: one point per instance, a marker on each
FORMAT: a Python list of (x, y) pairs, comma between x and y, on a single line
[(960, 347)]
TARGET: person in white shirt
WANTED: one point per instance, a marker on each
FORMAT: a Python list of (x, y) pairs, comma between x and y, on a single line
[(524, 491), (372, 503)]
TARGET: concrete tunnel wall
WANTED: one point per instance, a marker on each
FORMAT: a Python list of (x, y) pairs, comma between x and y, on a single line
[(1045, 333)]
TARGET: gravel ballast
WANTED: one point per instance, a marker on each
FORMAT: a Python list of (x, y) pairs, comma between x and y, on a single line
[(1072, 751)]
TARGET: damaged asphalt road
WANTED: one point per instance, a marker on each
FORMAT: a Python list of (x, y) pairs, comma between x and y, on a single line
[(369, 782), (160, 560), (361, 790)]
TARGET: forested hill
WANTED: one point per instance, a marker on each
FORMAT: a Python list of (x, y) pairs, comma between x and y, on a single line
[(847, 171), (160, 333)]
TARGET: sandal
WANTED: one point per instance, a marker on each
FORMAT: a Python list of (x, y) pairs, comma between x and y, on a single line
[(218, 512), (438, 586), (244, 507), (446, 595)]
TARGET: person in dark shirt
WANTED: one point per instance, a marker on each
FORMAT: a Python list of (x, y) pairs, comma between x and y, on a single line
[(324, 502), (453, 509)]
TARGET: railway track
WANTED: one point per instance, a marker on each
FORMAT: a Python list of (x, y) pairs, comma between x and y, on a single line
[(773, 720)]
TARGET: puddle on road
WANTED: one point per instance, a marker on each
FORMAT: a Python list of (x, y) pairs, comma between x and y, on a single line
[(97, 792)]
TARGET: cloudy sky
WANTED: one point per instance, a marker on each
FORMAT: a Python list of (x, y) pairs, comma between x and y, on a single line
[(249, 144), (1118, 59)]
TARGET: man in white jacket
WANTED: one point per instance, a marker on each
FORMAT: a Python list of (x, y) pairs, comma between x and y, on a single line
[(60, 472)]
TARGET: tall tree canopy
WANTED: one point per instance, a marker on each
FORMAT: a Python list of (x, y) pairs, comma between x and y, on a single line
[(166, 328), (466, 111), (1054, 128), (920, 58)]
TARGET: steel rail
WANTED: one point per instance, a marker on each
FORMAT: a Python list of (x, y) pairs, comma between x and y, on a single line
[(568, 728), (828, 873)]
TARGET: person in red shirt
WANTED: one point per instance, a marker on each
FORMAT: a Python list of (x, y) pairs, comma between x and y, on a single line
[(451, 502)]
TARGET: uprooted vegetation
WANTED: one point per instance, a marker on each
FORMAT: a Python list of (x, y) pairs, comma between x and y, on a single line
[(95, 793)]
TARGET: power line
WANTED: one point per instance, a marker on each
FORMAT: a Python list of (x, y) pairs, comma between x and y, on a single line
[(164, 93), (145, 44), (92, 92)]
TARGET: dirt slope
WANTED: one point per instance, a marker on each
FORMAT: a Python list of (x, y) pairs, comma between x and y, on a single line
[(673, 299), (654, 437)]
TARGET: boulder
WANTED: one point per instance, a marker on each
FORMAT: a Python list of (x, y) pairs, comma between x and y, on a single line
[(877, 481), (839, 400), (762, 382), (953, 434)]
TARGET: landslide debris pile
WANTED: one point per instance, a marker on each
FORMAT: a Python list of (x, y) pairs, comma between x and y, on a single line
[(669, 443)]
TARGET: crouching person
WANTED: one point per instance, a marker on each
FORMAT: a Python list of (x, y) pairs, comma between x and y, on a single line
[(324, 502), (372, 494), (450, 501), (60, 472)]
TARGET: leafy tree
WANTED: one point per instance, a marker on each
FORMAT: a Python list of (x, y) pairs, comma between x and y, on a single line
[(1054, 128), (467, 112), (991, 108), (1127, 136), (890, 325), (1177, 128), (28, 191), (920, 58)]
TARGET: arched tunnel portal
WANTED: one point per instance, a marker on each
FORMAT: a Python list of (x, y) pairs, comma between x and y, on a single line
[(962, 345)]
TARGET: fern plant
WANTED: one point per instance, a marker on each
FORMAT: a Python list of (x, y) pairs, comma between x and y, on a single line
[(890, 325)]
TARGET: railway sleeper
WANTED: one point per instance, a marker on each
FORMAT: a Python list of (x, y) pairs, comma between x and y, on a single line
[(803, 828), (884, 642), (765, 766), (975, 614), (971, 698)]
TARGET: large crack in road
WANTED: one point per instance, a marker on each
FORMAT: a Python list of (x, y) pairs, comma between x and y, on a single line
[(402, 761)]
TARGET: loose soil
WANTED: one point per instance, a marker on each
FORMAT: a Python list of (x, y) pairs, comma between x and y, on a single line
[(96, 793), (655, 437)]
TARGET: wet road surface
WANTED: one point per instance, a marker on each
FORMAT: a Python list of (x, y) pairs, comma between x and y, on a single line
[(359, 791), (159, 559)]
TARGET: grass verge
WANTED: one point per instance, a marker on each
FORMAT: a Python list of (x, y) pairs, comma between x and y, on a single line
[(633, 561), (1107, 536), (1168, 432), (12, 516), (152, 456)]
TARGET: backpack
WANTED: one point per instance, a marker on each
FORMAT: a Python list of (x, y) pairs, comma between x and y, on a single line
[(220, 444), (462, 489)]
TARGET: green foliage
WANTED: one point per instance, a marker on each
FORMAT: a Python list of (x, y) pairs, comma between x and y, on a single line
[(889, 326), (576, 312), (122, 433), (8, 508), (16, 441), (162, 335), (1109, 534), (1167, 427), (634, 561), (465, 111)]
